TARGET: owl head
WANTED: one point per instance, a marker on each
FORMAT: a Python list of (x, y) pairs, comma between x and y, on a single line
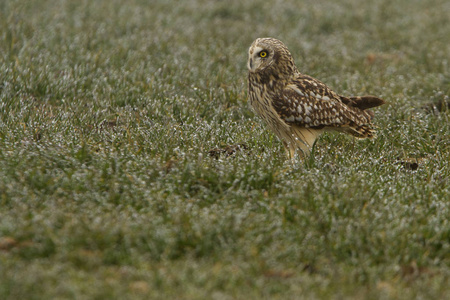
[(269, 54)]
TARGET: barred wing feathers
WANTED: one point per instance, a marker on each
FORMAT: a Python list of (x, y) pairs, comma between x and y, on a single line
[(307, 102)]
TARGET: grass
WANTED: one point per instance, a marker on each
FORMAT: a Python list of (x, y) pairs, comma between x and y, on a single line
[(108, 110)]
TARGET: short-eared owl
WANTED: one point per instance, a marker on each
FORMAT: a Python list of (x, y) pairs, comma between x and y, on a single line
[(297, 107)]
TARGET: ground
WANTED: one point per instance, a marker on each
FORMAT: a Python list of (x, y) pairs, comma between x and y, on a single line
[(131, 165)]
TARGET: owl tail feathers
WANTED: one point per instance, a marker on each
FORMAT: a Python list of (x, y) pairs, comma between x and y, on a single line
[(363, 102)]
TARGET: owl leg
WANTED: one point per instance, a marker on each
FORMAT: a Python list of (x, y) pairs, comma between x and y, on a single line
[(304, 139), (292, 151)]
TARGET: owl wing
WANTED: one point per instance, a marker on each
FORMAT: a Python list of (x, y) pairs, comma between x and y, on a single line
[(307, 102)]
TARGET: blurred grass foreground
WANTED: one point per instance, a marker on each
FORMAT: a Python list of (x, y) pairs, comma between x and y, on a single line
[(109, 111)]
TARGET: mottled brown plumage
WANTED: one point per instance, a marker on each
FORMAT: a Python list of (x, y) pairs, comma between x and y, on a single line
[(297, 107)]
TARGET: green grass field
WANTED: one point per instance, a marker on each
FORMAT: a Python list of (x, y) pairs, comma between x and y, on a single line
[(108, 111)]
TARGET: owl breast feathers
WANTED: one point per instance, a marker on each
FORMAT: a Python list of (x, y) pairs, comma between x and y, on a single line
[(297, 107)]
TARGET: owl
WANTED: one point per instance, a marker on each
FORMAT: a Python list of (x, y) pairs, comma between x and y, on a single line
[(298, 107)]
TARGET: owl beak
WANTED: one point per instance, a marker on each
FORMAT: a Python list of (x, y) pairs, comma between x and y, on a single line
[(250, 65)]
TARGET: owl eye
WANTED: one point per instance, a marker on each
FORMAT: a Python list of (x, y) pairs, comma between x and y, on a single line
[(263, 54)]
